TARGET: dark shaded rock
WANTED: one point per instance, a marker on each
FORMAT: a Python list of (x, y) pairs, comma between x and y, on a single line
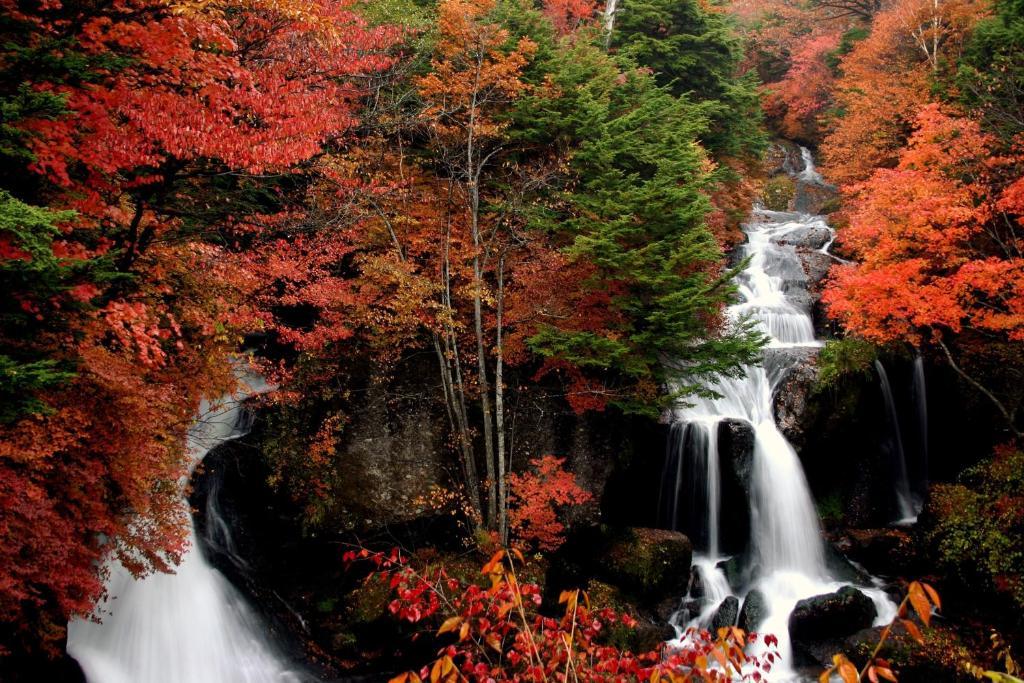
[(650, 563), (736, 459), (696, 588), (840, 567), (833, 615), (647, 566), (890, 552), (799, 373), (915, 664), (726, 613), (736, 451), (753, 612)]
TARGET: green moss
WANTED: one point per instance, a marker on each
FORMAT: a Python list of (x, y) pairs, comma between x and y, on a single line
[(830, 509), (841, 359), (778, 193)]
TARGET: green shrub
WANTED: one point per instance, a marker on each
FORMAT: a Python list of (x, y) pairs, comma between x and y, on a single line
[(978, 532)]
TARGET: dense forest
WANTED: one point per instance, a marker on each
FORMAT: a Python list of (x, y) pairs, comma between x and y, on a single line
[(509, 340)]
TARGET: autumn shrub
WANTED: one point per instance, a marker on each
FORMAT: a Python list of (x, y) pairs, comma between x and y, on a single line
[(539, 498), (494, 630), (978, 528)]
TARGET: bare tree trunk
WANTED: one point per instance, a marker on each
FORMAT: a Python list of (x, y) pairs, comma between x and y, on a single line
[(473, 172), (1010, 422), (499, 407), (610, 8)]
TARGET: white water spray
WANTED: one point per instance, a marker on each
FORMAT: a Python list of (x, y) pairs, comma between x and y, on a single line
[(192, 626)]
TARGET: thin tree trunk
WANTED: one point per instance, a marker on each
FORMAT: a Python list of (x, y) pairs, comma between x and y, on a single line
[(1010, 422), (499, 406), (473, 178)]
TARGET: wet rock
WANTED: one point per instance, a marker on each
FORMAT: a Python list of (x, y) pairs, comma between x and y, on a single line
[(793, 396), (726, 614), (736, 451), (812, 237), (816, 265), (753, 612), (833, 615)]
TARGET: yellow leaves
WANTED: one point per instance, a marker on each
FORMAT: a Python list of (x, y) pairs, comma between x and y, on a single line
[(449, 625), (920, 602), (569, 598), (492, 641), (407, 677), (443, 670), (843, 667)]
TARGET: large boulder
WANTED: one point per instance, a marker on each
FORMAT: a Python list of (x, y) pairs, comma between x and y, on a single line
[(753, 612), (650, 563), (833, 615), (811, 237), (736, 460)]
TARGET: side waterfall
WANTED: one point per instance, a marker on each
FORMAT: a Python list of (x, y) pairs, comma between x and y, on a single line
[(192, 626), (787, 561), (905, 503)]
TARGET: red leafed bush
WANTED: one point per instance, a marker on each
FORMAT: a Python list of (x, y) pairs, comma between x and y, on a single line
[(536, 499), (492, 631)]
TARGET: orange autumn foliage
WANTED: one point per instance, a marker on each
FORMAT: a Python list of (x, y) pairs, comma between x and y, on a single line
[(938, 239), (885, 81), (538, 497)]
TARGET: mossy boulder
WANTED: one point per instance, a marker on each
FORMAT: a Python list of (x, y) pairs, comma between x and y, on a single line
[(779, 192), (650, 563)]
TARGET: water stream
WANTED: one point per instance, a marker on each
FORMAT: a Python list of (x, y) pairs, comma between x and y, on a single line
[(192, 626), (787, 558)]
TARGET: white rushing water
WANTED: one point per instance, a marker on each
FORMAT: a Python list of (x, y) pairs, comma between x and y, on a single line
[(788, 554), (192, 626)]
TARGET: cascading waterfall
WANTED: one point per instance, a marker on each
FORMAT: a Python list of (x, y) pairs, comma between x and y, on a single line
[(788, 557), (905, 503), (920, 396), (191, 626)]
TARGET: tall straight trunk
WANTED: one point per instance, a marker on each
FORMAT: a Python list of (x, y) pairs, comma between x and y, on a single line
[(448, 355), (473, 172), (610, 8), (499, 407)]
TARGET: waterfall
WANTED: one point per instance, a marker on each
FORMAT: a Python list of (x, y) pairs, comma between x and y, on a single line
[(788, 555), (692, 474), (191, 626), (920, 396), (905, 503), (810, 173)]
